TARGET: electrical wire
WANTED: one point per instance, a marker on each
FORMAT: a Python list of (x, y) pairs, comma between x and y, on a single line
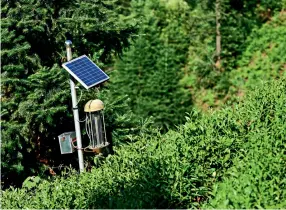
[(76, 146), (78, 103), (81, 121), (79, 96)]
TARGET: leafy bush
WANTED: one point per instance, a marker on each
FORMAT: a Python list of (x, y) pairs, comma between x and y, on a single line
[(257, 177), (252, 43), (264, 58), (180, 168)]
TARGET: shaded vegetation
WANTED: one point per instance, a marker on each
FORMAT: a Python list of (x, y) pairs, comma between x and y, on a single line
[(35, 100), (149, 72), (264, 57)]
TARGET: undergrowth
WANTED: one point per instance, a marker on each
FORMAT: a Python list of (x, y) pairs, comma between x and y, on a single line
[(263, 59), (231, 158)]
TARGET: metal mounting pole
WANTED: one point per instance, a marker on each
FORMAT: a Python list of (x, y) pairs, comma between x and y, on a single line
[(75, 111)]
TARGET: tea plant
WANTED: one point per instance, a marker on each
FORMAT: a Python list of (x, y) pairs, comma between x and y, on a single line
[(257, 178), (233, 158)]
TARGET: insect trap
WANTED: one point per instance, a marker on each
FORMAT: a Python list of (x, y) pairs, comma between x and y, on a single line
[(95, 126)]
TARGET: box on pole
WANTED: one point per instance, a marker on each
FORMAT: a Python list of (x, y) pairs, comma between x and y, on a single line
[(66, 142)]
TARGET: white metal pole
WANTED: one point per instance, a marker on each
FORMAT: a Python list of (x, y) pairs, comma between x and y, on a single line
[(75, 111)]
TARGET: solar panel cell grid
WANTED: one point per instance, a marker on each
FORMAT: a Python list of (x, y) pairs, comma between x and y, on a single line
[(85, 71)]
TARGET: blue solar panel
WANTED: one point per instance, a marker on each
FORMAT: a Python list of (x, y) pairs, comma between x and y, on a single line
[(85, 71)]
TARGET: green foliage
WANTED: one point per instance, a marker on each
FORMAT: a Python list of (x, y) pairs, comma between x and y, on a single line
[(232, 158), (180, 168), (264, 58), (121, 123), (257, 177), (35, 96), (208, 81), (239, 19), (150, 70)]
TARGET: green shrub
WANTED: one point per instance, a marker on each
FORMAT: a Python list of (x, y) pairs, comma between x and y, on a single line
[(181, 168), (257, 178), (264, 58)]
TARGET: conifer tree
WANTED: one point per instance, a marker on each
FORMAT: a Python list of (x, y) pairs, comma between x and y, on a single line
[(35, 91), (149, 72)]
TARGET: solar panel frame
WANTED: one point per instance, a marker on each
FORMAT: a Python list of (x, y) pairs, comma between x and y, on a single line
[(106, 77)]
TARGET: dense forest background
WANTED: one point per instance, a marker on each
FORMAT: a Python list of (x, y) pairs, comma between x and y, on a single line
[(195, 104)]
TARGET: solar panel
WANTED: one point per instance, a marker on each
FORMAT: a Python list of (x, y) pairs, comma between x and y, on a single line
[(85, 71)]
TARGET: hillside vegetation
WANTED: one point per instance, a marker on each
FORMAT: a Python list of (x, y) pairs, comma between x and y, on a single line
[(194, 107), (264, 57), (235, 156), (261, 57)]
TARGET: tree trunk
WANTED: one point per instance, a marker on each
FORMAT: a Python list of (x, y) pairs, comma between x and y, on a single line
[(218, 36)]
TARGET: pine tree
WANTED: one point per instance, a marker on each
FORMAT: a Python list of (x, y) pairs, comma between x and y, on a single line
[(149, 72), (35, 98)]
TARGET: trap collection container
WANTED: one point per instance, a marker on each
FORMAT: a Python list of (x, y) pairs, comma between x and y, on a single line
[(95, 125)]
